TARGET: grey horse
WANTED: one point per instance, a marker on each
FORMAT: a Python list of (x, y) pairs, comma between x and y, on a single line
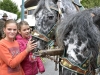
[(79, 36)]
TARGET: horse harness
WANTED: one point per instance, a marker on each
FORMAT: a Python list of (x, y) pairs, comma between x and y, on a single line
[(64, 61), (81, 69)]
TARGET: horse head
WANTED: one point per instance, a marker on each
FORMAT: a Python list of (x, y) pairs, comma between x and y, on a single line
[(79, 36), (46, 16)]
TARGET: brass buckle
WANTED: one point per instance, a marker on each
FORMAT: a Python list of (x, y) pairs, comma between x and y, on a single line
[(64, 63)]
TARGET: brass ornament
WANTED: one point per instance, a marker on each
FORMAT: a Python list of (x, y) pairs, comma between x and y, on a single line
[(64, 63)]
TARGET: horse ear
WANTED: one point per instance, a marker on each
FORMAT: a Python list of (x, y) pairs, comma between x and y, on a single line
[(47, 5), (40, 3)]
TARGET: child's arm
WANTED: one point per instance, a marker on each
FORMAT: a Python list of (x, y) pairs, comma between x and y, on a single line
[(6, 56)]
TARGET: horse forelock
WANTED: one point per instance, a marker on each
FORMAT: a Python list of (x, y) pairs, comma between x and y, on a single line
[(76, 49), (81, 28), (82, 24)]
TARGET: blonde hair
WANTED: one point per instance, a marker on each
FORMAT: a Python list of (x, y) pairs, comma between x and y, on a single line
[(21, 24), (9, 21)]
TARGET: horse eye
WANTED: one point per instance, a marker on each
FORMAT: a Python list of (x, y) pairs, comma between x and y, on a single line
[(37, 16), (50, 17)]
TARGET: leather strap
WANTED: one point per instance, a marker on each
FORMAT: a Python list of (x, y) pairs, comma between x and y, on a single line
[(35, 33)]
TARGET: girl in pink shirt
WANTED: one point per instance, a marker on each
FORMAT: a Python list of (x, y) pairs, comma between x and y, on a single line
[(29, 64)]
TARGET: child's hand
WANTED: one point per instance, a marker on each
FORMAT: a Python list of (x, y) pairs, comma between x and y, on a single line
[(31, 45)]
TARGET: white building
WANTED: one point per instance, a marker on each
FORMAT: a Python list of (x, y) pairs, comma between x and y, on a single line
[(9, 14)]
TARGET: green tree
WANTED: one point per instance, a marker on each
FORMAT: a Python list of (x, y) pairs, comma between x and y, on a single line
[(18, 14), (9, 6), (90, 3)]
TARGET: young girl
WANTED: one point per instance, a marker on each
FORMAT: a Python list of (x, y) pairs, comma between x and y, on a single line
[(10, 56), (29, 65)]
